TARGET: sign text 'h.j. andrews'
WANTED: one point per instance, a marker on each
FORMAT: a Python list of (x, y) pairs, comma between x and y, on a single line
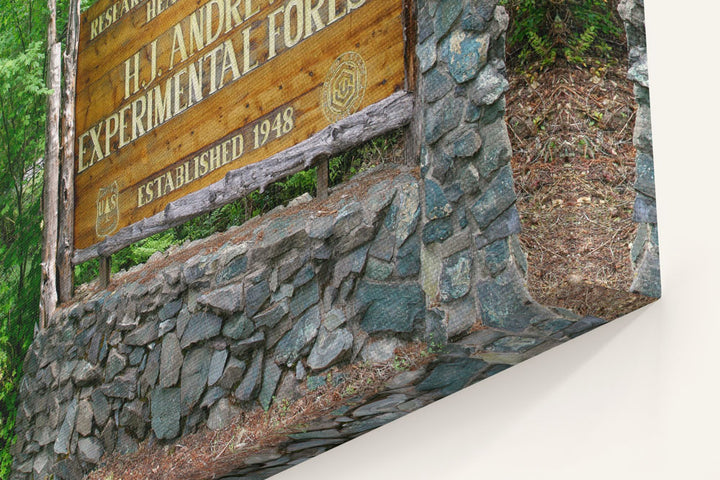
[(174, 94)]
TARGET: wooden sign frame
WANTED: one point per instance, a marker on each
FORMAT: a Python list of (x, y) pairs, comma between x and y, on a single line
[(391, 112)]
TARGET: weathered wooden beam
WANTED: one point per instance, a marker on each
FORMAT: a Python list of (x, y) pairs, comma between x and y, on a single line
[(413, 130), (323, 178), (67, 184), (380, 118), (48, 286), (104, 271)]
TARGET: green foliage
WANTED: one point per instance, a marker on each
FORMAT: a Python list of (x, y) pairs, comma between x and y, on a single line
[(22, 123), (541, 31)]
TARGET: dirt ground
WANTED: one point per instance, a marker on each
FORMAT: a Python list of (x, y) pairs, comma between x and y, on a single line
[(574, 167)]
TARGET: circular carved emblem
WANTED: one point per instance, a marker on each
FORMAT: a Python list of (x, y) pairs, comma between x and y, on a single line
[(344, 86)]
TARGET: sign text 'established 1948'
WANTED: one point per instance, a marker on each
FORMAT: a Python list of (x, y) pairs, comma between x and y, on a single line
[(173, 94)]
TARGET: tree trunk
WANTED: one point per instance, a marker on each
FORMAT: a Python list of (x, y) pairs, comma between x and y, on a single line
[(48, 287), (67, 186)]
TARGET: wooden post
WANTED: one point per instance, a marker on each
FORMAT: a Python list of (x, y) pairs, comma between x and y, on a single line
[(67, 184), (412, 84), (323, 178), (48, 286), (104, 271)]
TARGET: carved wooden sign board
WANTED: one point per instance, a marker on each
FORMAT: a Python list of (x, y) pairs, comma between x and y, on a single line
[(173, 94)]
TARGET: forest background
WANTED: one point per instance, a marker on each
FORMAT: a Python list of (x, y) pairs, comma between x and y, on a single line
[(543, 34)]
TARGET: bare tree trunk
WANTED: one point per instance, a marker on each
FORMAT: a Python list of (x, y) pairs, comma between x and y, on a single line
[(48, 287), (67, 186)]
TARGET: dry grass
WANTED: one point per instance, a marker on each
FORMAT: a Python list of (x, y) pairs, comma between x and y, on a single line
[(574, 167), (208, 454)]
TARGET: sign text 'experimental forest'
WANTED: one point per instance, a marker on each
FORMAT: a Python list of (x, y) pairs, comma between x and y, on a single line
[(173, 94)]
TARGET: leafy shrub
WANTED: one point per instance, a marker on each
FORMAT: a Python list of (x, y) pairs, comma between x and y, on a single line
[(541, 31)]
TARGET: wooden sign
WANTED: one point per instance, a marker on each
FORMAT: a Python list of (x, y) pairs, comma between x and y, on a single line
[(173, 94)]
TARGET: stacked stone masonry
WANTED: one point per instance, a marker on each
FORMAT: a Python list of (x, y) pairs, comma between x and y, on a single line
[(248, 323), (394, 256), (645, 253), (472, 263)]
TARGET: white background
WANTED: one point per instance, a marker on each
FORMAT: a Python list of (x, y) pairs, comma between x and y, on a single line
[(638, 398)]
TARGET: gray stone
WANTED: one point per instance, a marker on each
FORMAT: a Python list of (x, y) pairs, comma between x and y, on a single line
[(350, 263), (298, 338), (405, 379), (348, 218), (441, 117), (329, 348), (427, 54), (67, 469), (233, 373), (377, 407), (232, 269), (488, 87), (238, 328), (390, 307), (647, 276), (239, 348), (378, 269), (165, 409), (150, 374), (448, 378), (381, 350), (506, 304), (171, 359), (305, 274), (217, 366), (437, 85), (202, 326), (193, 377), (133, 417), (272, 316), (212, 396), (256, 296), (227, 300), (83, 422), (222, 414), (584, 325), (170, 310), (362, 426), (305, 297), (249, 386), (85, 374), (437, 230), (62, 443), (312, 444), (514, 344), (645, 171), (461, 316), (407, 212), (333, 319), (465, 54), (143, 335), (447, 12), (271, 377), (116, 362), (496, 199), (100, 407), (407, 263), (383, 246), (645, 210), (316, 434), (497, 255), (467, 145), (507, 224), (455, 278), (554, 325), (123, 386), (436, 205), (125, 443)]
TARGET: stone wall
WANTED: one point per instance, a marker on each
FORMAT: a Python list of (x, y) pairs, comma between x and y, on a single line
[(260, 313), (645, 253), (472, 263), (207, 329)]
